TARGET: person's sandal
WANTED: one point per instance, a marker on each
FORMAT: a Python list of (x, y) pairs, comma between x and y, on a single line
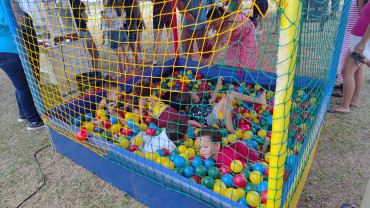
[(337, 94), (338, 86)]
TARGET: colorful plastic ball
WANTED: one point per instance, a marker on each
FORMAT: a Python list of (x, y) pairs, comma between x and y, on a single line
[(98, 130), (253, 198), (126, 131), (151, 156), (153, 126), (89, 127), (184, 155), (136, 130), (115, 128), (189, 171), (100, 113), (209, 163), (227, 180), (243, 201), (236, 166), (253, 144), (214, 172), (150, 131), (173, 158), (168, 164), (179, 161), (88, 117), (241, 192), (219, 187), (195, 179), (240, 180), (182, 148), (160, 152), (179, 171), (201, 171), (197, 162), (231, 138), (123, 142), (77, 122), (264, 196), (259, 167), (262, 186), (166, 152), (256, 177), (131, 123), (232, 194), (290, 161), (82, 135), (246, 173), (250, 187), (208, 182), (132, 148), (113, 120), (224, 169), (176, 152)]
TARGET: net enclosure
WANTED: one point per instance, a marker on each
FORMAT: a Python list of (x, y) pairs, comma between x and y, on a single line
[(220, 101)]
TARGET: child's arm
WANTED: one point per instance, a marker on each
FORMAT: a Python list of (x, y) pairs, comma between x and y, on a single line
[(141, 109), (195, 123), (214, 95), (101, 104), (265, 146)]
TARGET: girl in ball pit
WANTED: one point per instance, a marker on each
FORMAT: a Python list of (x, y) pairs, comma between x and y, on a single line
[(209, 140)]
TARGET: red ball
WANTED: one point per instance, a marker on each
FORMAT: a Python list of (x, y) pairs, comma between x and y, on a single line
[(249, 86), (299, 136), (257, 107), (196, 178), (83, 128), (248, 120), (200, 95), (267, 171), (107, 124), (217, 100), (294, 116), (121, 113), (306, 115), (203, 158), (203, 82), (156, 84), (264, 196), (259, 116), (236, 87), (311, 94), (236, 111), (245, 128), (150, 131), (132, 148), (242, 122), (245, 111), (149, 120), (269, 134), (306, 105), (176, 73), (191, 160), (184, 84), (271, 103), (224, 169), (177, 81), (240, 180), (199, 76), (81, 135), (166, 152), (126, 131)]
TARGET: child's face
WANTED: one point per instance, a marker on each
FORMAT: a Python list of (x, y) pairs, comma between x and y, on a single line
[(195, 98), (207, 148), (115, 94)]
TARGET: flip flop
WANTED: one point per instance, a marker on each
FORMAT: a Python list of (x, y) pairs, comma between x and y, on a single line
[(338, 86), (337, 110), (337, 94)]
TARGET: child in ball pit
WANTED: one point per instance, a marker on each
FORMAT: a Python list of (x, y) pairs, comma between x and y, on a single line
[(156, 108), (205, 114), (116, 103), (209, 140), (176, 132)]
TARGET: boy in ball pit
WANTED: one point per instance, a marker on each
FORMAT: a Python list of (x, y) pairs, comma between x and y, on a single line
[(205, 114), (116, 103), (156, 108), (209, 140), (176, 132)]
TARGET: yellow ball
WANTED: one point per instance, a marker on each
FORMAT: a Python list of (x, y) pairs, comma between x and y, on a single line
[(220, 115), (191, 152), (239, 134), (241, 192), (138, 141), (189, 142), (263, 107), (184, 155), (104, 118), (236, 166), (253, 198), (257, 121), (196, 131), (256, 177), (143, 127), (248, 135), (219, 187), (262, 133), (128, 116), (136, 118), (139, 153), (224, 141), (101, 113), (245, 115), (196, 86), (189, 72), (182, 148), (218, 181), (89, 126), (231, 138), (195, 143), (115, 128), (253, 94), (313, 102), (124, 143), (267, 157), (232, 194), (152, 155), (168, 164), (253, 114), (300, 93)]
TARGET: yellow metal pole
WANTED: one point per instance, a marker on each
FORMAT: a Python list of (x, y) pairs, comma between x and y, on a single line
[(287, 53)]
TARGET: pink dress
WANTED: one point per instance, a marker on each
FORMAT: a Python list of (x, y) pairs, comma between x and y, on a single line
[(242, 48), (236, 151)]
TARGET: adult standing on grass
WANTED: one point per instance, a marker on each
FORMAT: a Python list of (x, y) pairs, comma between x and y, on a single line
[(194, 24), (11, 64), (354, 65)]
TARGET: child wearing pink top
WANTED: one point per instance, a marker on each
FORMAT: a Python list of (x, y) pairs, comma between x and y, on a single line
[(241, 34), (209, 140), (361, 33)]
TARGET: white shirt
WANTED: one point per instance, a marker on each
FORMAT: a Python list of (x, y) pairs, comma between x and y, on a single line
[(117, 21), (153, 143)]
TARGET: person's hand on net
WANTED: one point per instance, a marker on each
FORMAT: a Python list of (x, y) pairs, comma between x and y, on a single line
[(189, 17)]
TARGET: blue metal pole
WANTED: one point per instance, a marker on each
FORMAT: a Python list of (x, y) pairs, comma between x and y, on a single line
[(23, 53)]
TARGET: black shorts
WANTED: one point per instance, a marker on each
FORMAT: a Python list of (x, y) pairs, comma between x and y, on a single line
[(263, 5), (162, 15)]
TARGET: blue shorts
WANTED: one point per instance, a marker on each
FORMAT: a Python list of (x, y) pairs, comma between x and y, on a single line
[(117, 37)]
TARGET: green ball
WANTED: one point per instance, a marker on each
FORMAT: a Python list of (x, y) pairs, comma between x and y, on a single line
[(250, 166), (206, 96), (190, 85), (179, 171), (164, 85), (260, 140), (250, 187), (106, 133), (177, 152), (187, 162), (208, 182), (83, 118), (199, 82), (265, 113), (246, 173), (213, 87), (214, 172), (209, 86), (201, 171), (192, 179), (291, 134)]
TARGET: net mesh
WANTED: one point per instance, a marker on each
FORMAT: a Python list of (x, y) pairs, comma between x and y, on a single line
[(226, 96)]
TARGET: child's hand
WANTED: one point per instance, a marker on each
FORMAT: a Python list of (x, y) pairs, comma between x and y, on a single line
[(113, 111)]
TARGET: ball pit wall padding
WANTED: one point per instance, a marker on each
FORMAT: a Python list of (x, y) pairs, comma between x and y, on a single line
[(145, 180)]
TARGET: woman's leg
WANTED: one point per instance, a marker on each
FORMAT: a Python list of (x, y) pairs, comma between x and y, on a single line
[(121, 61), (187, 42), (348, 73), (359, 84)]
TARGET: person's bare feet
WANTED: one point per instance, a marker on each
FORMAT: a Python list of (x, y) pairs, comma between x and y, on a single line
[(355, 104), (339, 109)]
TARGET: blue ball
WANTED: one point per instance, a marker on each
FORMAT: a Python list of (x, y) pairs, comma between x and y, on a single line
[(188, 171), (290, 160), (182, 72), (136, 129), (178, 84), (107, 111), (113, 120), (237, 117), (260, 168), (98, 130), (269, 120), (77, 121), (262, 119), (156, 92), (258, 94), (173, 157), (191, 76), (262, 186), (253, 144), (182, 113), (209, 163), (271, 98), (196, 162), (152, 125), (88, 117), (243, 201), (179, 161), (305, 96), (227, 179), (160, 152), (177, 88), (232, 89), (241, 89), (131, 123), (90, 135), (290, 142)]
